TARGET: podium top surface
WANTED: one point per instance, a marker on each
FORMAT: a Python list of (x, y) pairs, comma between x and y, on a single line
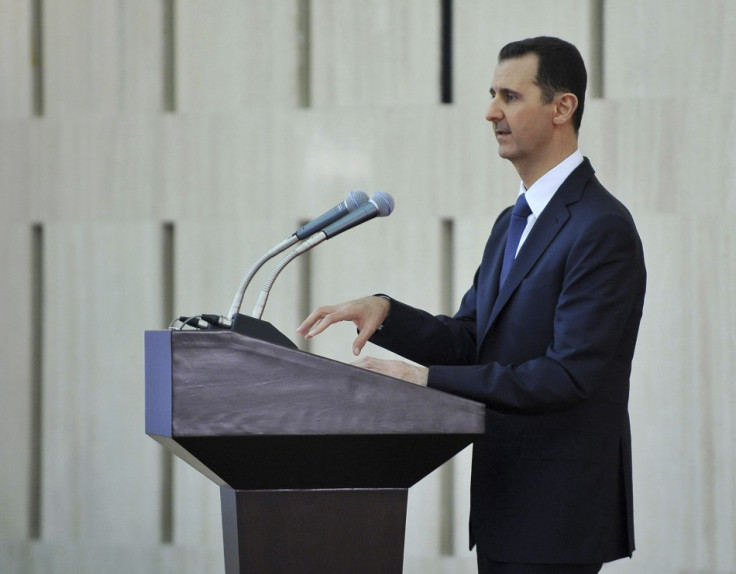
[(255, 415), (221, 383)]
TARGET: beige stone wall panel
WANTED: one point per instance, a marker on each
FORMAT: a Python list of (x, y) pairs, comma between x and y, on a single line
[(670, 48), (376, 53), (16, 59), (232, 55), (100, 474), (16, 407), (103, 56)]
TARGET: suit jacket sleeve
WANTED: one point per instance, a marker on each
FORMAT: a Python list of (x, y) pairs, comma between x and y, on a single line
[(568, 329)]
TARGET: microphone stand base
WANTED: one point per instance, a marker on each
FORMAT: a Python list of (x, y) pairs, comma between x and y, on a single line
[(261, 330)]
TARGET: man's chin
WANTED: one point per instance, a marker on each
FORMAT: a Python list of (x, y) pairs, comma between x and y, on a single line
[(504, 152)]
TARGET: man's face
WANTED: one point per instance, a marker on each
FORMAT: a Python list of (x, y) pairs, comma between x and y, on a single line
[(521, 122)]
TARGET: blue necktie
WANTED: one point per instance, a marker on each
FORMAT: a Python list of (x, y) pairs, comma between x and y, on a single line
[(518, 222)]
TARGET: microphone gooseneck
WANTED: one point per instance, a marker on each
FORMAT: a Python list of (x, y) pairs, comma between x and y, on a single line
[(352, 202)]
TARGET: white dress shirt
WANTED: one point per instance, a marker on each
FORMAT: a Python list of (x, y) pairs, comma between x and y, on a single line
[(542, 190)]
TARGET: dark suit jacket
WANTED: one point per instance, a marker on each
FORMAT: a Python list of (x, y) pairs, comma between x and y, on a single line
[(550, 355)]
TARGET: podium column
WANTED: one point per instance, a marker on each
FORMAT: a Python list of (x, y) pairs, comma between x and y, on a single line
[(314, 531)]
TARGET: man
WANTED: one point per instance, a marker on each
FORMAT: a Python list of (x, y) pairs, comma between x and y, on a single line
[(548, 347)]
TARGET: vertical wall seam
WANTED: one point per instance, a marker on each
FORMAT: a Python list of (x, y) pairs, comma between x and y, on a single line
[(121, 73), (169, 57), (447, 471), (37, 59), (446, 51), (36, 372), (304, 57), (166, 509), (597, 49)]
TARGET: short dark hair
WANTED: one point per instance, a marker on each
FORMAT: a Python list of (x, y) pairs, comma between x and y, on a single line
[(561, 68)]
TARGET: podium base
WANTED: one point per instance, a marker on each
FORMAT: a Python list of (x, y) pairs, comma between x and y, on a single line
[(314, 531)]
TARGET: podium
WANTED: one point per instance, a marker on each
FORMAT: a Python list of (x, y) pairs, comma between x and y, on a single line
[(314, 457)]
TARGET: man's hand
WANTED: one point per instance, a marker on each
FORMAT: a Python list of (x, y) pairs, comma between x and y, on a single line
[(398, 369), (367, 314)]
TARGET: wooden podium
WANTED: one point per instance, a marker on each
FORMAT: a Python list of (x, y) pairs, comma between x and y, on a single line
[(314, 457)]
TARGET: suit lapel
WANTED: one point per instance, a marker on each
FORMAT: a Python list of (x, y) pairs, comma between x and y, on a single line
[(490, 271), (545, 229)]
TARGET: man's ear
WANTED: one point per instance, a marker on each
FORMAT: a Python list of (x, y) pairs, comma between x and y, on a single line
[(565, 106)]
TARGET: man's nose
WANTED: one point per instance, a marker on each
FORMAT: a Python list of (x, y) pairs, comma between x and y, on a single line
[(493, 113)]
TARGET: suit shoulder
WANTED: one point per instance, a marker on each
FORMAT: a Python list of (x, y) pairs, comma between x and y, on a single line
[(596, 198)]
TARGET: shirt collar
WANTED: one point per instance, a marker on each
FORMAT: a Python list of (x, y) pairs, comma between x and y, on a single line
[(542, 190)]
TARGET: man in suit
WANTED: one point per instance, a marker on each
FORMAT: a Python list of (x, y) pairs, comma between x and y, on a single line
[(545, 338)]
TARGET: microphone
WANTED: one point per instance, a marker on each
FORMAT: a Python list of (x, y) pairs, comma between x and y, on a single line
[(353, 201), (380, 205)]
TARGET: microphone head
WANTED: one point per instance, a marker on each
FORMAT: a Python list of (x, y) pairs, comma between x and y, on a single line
[(355, 199), (384, 202)]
